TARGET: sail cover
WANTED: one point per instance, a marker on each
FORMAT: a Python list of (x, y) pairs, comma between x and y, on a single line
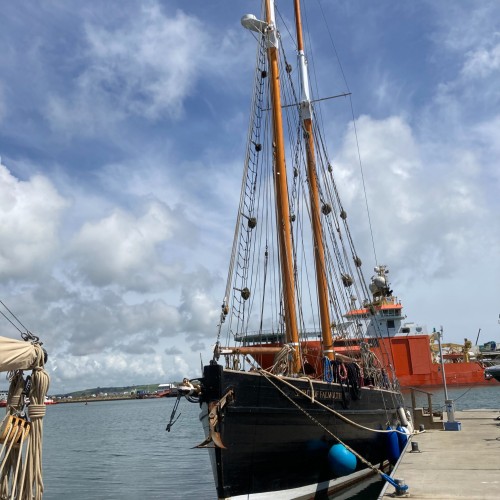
[(19, 355)]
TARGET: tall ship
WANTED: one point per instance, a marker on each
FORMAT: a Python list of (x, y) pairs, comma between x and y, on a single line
[(287, 415)]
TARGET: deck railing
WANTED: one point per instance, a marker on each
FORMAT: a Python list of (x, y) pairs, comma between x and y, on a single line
[(414, 399)]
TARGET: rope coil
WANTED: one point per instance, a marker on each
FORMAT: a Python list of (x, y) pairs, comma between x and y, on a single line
[(21, 431)]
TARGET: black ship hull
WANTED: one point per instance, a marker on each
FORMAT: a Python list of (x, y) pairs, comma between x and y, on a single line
[(276, 439), (492, 372)]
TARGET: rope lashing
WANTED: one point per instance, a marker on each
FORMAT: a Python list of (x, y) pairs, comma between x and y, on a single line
[(36, 411), (22, 430), (34, 480)]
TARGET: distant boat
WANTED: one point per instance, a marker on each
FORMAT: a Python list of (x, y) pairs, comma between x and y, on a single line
[(47, 401), (492, 372), (166, 391)]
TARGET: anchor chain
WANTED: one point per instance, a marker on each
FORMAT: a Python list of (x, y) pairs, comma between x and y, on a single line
[(172, 415)]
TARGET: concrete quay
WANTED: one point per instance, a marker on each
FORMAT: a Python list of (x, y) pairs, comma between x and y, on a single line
[(462, 464)]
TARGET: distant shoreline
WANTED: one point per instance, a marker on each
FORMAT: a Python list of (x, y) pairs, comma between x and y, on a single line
[(99, 399)]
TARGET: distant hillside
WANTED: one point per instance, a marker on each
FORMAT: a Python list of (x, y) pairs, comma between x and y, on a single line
[(112, 390)]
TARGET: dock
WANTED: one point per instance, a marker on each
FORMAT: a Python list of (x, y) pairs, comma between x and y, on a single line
[(452, 464)]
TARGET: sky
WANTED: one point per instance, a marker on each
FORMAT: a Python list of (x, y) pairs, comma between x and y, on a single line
[(122, 136)]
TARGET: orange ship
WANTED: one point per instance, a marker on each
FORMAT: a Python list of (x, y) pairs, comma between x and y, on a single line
[(414, 355)]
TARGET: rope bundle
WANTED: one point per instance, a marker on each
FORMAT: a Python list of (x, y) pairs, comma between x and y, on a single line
[(22, 479), (36, 412)]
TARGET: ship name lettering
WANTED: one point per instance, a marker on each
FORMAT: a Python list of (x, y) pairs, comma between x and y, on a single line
[(324, 394)]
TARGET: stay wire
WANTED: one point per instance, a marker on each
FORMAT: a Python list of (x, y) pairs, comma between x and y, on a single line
[(13, 315), (26, 334), (354, 126)]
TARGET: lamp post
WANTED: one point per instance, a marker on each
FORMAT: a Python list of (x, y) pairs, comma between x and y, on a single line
[(451, 424)]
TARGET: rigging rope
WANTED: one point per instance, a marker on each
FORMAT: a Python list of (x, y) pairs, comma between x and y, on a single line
[(268, 376)]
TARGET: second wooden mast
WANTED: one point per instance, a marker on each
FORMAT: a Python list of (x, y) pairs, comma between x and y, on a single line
[(319, 253), (281, 186)]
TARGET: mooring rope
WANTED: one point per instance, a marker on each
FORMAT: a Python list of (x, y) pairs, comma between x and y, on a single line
[(313, 400), (317, 422)]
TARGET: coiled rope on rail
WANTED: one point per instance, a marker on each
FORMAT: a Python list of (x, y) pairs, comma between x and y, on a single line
[(21, 431), (36, 412)]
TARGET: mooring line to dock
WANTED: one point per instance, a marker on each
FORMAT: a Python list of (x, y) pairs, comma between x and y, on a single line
[(331, 410), (399, 487)]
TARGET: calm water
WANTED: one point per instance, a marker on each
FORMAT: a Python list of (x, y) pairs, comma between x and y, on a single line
[(465, 398), (119, 450)]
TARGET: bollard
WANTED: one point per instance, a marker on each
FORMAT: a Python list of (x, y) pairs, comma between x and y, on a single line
[(450, 410), (399, 484), (401, 488), (414, 447)]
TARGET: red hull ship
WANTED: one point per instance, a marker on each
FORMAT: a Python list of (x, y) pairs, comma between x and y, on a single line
[(417, 363), (413, 354)]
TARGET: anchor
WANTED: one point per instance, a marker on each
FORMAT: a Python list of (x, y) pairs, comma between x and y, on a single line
[(213, 418)]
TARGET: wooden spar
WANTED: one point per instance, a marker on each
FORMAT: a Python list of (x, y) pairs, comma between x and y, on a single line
[(319, 253), (250, 350), (281, 188)]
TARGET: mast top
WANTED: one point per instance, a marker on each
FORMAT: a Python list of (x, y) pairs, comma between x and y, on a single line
[(250, 22), (268, 28)]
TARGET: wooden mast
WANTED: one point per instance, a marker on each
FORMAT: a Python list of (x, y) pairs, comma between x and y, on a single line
[(319, 254), (281, 188)]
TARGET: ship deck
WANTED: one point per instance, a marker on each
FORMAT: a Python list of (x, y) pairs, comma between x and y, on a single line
[(453, 464)]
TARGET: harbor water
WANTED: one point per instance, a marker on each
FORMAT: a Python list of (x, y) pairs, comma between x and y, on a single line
[(464, 397), (119, 450)]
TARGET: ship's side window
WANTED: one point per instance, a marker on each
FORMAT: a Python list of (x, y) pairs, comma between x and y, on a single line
[(390, 323)]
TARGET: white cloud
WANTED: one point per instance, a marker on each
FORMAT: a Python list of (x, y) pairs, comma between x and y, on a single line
[(463, 26), (200, 311), (124, 249), (424, 215), (119, 370), (150, 63), (481, 62), (145, 67), (30, 215)]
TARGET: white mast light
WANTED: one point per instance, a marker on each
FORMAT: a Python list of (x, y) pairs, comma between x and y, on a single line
[(250, 22)]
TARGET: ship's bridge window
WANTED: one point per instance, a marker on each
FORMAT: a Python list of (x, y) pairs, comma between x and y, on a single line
[(359, 315), (391, 312)]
